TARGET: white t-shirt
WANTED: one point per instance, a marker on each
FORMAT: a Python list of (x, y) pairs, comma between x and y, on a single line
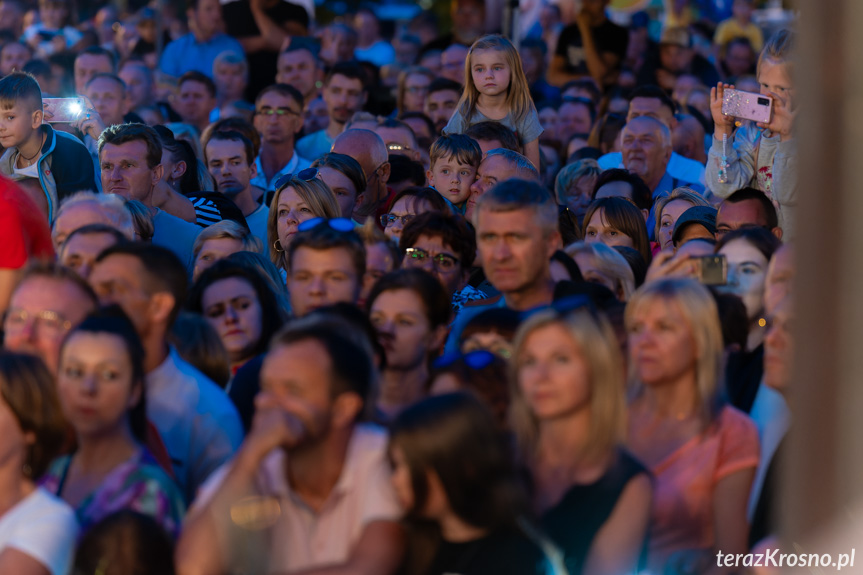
[(44, 527)]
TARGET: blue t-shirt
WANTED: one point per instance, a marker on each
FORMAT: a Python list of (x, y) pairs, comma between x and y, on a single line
[(314, 145), (175, 234), (186, 54)]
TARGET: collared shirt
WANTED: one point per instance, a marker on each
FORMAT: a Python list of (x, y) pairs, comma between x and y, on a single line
[(257, 221), (186, 54), (195, 418), (294, 165), (679, 166), (315, 145), (175, 234), (304, 538)]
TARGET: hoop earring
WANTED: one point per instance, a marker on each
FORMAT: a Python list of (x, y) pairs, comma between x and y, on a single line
[(277, 246)]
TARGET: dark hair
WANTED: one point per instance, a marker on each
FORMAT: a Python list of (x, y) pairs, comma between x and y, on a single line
[(762, 240), (99, 51), (350, 70), (745, 194), (653, 92), (581, 101), (438, 307), (636, 263), (199, 344), (163, 270), (37, 68), (436, 201), (444, 84), (53, 270), (20, 87), (350, 364), (112, 320), (642, 197), (492, 130), (272, 316), (345, 164), (420, 116), (502, 321), (569, 264), (125, 543), (452, 229), (606, 130), (623, 215), (488, 384), (113, 77), (181, 151), (403, 169), (583, 84), (323, 237), (733, 319), (92, 229), (200, 78), (231, 136), (27, 388), (120, 134), (463, 147), (298, 43), (456, 436), (285, 90), (233, 124)]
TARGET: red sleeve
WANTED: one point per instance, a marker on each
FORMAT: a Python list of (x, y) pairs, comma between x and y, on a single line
[(24, 233), (738, 443)]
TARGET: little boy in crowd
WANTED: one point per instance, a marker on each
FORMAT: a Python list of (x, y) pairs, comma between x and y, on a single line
[(455, 159), (48, 164)]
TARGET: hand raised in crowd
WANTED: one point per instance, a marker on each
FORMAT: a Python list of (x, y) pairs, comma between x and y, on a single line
[(782, 119), (90, 122), (723, 124), (273, 426), (667, 264)]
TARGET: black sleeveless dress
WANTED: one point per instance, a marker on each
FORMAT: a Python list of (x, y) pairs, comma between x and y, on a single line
[(575, 520)]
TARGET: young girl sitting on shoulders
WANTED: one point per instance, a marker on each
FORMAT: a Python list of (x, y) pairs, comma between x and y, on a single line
[(496, 89)]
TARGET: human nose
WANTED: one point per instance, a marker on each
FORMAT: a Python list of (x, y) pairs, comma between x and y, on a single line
[(114, 174), (88, 384), (230, 315), (317, 286), (476, 188)]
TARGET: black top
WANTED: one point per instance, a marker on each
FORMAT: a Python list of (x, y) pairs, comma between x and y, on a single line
[(244, 387), (240, 23), (608, 37), (743, 373), (506, 553), (213, 207), (575, 520), (701, 68), (764, 520)]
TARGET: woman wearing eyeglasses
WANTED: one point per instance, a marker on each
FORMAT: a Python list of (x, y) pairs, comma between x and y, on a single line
[(240, 305), (299, 197), (568, 414), (410, 312), (407, 205)]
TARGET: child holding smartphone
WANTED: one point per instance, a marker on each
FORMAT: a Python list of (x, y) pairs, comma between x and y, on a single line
[(762, 156)]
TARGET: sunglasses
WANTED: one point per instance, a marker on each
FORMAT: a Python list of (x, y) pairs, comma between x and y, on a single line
[(479, 359), (306, 175), (442, 262), (338, 224), (389, 219)]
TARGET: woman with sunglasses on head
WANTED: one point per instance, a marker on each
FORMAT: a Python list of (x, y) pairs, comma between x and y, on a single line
[(479, 372), (37, 530), (103, 396), (407, 205), (240, 305), (410, 311), (568, 413), (453, 473), (701, 452), (299, 197)]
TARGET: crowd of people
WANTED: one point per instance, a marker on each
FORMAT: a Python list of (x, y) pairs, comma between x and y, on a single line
[(375, 297)]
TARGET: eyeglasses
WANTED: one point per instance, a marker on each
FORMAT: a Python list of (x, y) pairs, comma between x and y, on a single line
[(417, 89), (49, 322), (338, 224), (388, 219), (276, 112), (306, 175), (393, 147), (479, 359), (442, 262)]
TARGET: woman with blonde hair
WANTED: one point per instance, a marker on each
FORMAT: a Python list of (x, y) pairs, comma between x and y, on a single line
[(568, 413), (701, 452), (605, 266), (299, 198), (220, 240), (574, 185), (414, 82)]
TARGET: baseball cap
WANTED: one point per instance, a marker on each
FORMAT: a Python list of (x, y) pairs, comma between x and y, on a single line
[(702, 215), (676, 37)]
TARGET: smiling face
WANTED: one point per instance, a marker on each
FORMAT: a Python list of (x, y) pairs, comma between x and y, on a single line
[(232, 307), (95, 383)]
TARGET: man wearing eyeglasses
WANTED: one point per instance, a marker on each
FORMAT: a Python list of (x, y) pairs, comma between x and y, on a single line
[(278, 118), (399, 139)]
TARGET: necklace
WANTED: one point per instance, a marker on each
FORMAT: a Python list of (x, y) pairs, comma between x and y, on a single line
[(30, 159)]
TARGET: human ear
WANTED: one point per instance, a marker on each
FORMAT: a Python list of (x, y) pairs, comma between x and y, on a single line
[(161, 306), (346, 408)]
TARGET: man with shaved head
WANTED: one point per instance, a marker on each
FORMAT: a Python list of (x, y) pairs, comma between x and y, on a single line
[(367, 148), (499, 165)]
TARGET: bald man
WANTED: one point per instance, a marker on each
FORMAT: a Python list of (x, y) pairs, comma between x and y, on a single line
[(369, 149)]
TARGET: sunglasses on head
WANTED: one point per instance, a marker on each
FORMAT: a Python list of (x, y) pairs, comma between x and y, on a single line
[(479, 359), (306, 175), (337, 224)]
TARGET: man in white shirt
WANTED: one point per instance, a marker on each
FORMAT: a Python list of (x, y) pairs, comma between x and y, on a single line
[(230, 160), (196, 420), (278, 118), (320, 479)]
